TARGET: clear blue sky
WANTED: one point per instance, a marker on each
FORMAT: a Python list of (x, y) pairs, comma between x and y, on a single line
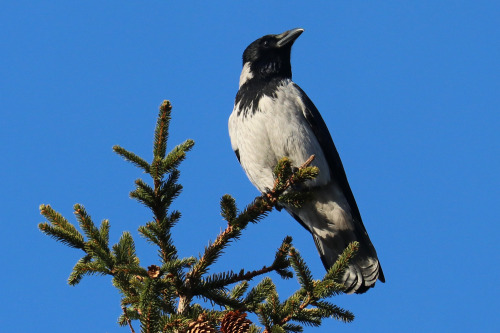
[(409, 90)]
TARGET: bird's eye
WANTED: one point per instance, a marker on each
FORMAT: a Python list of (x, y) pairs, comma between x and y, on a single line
[(266, 43)]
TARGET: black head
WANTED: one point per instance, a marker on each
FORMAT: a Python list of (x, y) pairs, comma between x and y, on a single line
[(269, 56)]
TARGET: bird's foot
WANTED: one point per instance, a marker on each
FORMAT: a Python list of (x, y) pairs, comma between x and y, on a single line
[(270, 197)]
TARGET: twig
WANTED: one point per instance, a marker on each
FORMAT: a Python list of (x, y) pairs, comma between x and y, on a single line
[(247, 276), (289, 181), (128, 319), (273, 195)]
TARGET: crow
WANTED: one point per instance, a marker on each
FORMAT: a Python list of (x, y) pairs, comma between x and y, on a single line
[(273, 118)]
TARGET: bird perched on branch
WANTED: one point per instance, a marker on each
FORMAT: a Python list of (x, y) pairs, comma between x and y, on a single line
[(273, 118)]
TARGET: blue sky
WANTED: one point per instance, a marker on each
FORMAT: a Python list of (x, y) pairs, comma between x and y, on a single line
[(409, 90)]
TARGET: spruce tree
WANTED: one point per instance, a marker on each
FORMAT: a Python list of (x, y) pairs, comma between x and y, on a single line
[(168, 297)]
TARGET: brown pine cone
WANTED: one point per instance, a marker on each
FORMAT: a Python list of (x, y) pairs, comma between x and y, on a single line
[(202, 325), (153, 271), (235, 322)]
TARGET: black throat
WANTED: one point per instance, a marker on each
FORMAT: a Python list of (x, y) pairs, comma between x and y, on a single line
[(253, 90)]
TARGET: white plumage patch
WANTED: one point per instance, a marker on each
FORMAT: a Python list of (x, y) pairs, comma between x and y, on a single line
[(246, 74), (276, 130)]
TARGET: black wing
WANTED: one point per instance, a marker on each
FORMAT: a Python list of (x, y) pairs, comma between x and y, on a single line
[(324, 138), (337, 171)]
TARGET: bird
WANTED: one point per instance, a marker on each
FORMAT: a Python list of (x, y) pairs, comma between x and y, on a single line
[(273, 118)]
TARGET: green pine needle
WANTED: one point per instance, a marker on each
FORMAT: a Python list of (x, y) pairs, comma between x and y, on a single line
[(176, 156), (104, 232), (88, 226), (130, 314), (337, 270), (259, 293), (143, 193), (150, 305), (60, 229), (277, 329), (212, 252), (282, 172), (309, 317), (167, 192), (327, 288), (57, 219), (84, 267), (302, 271), (62, 235), (327, 309), (93, 248), (221, 298), (132, 158), (216, 281), (239, 290), (253, 213), (288, 327), (161, 130), (124, 250), (228, 208), (76, 275), (295, 199), (147, 233), (304, 174), (281, 262)]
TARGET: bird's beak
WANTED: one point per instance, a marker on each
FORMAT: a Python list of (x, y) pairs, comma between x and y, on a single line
[(288, 37)]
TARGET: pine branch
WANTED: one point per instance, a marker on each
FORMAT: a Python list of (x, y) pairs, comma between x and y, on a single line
[(83, 268), (303, 273), (239, 290), (104, 232), (279, 265), (176, 156), (62, 235), (221, 280), (173, 323), (132, 158), (150, 305), (330, 310), (221, 298), (158, 233), (144, 193), (124, 250), (228, 208), (176, 265), (285, 177), (309, 317), (57, 219), (337, 270), (166, 193), (256, 211), (76, 275), (60, 229), (288, 327), (161, 130), (212, 252), (96, 244), (258, 294), (296, 307), (281, 261)]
